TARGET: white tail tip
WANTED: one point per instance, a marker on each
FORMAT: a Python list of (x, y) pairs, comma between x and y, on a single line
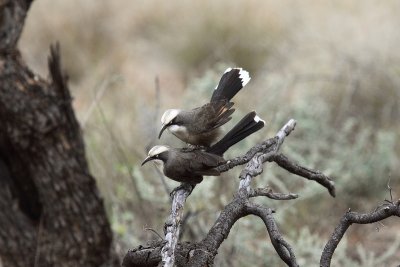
[(257, 119), (244, 76)]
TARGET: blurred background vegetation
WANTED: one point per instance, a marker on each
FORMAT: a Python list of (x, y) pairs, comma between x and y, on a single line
[(333, 66)]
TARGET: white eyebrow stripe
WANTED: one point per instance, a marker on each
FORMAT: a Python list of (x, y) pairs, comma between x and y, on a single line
[(169, 115), (157, 150)]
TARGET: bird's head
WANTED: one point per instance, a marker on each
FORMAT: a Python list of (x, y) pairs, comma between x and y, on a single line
[(168, 119), (156, 153)]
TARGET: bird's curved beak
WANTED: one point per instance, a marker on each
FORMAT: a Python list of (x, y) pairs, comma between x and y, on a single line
[(162, 130), (146, 160)]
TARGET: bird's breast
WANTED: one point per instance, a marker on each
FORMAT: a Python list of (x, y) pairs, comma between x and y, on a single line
[(179, 131)]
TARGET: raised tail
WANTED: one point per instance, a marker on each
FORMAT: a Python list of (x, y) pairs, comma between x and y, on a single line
[(231, 82), (245, 127)]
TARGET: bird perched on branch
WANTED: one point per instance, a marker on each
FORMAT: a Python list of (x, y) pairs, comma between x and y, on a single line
[(189, 165), (200, 126)]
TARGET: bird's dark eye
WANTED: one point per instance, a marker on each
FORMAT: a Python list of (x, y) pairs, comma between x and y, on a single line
[(175, 122)]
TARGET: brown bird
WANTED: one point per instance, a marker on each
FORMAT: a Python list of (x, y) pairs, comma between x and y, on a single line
[(200, 126), (189, 165)]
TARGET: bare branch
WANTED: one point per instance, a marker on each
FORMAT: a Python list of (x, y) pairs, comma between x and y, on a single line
[(172, 226), (203, 253), (285, 131), (282, 247), (267, 151), (317, 176), (390, 189), (267, 192), (154, 231), (238, 208), (248, 156), (254, 167), (219, 231), (385, 211)]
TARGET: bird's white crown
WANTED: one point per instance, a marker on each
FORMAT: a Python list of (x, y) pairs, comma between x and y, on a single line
[(156, 150), (169, 115)]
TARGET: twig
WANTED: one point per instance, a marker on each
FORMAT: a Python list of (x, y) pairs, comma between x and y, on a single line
[(267, 192), (390, 189), (282, 247), (348, 219), (154, 231), (294, 168)]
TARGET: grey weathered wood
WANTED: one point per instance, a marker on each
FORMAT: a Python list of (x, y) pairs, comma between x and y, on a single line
[(255, 165), (172, 226)]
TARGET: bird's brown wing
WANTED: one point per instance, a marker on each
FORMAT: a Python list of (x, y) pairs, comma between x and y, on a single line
[(212, 115), (202, 163)]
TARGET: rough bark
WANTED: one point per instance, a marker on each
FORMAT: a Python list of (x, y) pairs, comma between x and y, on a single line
[(51, 213)]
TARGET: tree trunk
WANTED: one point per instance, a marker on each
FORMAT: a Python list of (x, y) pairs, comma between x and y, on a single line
[(51, 213)]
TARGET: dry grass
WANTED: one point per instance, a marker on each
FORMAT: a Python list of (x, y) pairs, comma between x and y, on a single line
[(333, 66)]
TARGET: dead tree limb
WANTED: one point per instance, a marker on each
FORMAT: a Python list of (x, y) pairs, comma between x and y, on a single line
[(51, 213), (203, 253), (313, 175), (384, 211), (172, 226)]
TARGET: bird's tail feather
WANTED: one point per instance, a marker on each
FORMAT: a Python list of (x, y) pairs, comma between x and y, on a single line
[(230, 84), (245, 127)]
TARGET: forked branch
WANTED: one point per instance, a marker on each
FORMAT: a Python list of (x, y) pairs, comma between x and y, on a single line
[(204, 252), (384, 211)]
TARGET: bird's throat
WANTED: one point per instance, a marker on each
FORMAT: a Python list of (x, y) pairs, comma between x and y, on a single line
[(179, 131)]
